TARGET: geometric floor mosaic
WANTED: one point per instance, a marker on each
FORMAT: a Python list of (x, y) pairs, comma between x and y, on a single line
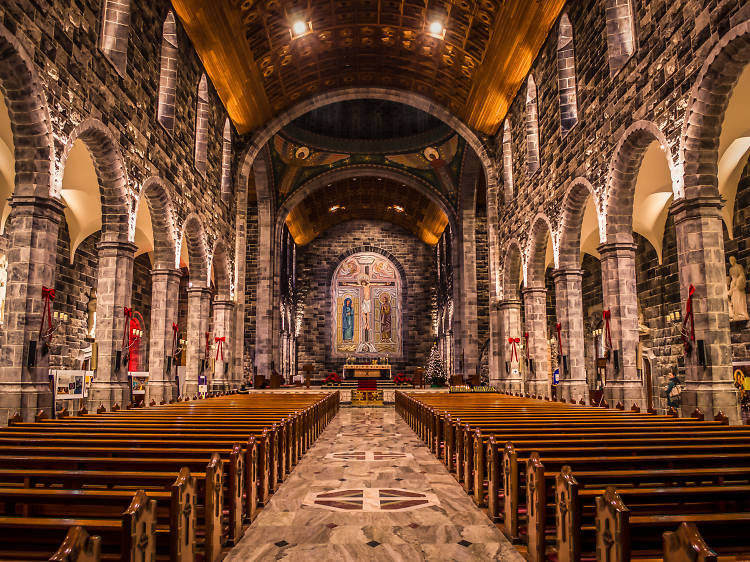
[(370, 456), (371, 499)]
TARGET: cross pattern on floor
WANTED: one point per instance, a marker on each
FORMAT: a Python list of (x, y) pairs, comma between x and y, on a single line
[(371, 499)]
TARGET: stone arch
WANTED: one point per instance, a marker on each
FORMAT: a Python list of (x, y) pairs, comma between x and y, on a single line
[(261, 137), (194, 235), (25, 96), (707, 103), (157, 194), (221, 271), (376, 249), (622, 176), (322, 180), (569, 235), (111, 173), (512, 262), (536, 251)]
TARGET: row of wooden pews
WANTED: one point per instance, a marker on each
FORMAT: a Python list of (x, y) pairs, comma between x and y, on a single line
[(172, 482), (570, 482)]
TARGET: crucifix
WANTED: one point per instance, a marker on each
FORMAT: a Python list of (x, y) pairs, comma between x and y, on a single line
[(366, 307)]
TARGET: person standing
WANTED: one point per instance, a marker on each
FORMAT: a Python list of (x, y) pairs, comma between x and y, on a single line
[(674, 389)]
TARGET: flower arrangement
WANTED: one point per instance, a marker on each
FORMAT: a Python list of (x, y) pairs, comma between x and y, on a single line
[(401, 380), (332, 379)]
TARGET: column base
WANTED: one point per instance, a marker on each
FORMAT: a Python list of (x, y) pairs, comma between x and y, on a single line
[(573, 391), (161, 390), (628, 393), (538, 387), (26, 399), (191, 388), (108, 394), (711, 398)]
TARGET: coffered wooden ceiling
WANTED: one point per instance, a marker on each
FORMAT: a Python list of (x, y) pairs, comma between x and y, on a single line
[(475, 71), (366, 198)]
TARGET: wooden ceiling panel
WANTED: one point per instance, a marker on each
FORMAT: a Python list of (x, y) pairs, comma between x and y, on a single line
[(475, 70), (368, 198)]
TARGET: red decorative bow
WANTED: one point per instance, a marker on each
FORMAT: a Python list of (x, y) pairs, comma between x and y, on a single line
[(220, 347), (514, 351), (688, 316), (607, 315), (558, 327), (526, 343), (48, 295)]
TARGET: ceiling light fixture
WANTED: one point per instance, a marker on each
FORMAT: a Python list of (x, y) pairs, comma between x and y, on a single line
[(336, 208), (397, 208), (300, 28), (436, 28)]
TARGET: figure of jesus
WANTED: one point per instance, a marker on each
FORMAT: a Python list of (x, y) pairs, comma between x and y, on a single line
[(366, 307)]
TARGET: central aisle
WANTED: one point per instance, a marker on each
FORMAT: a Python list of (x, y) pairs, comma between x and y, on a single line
[(370, 490)]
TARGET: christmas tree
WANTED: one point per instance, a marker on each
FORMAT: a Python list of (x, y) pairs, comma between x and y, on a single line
[(435, 370)]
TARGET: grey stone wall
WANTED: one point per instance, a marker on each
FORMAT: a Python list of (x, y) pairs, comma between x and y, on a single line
[(483, 277), (314, 263), (81, 83)]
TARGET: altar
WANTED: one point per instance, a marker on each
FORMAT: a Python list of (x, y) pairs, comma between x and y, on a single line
[(367, 371)]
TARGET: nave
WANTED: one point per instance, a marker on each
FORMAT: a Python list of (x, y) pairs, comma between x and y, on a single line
[(370, 490)]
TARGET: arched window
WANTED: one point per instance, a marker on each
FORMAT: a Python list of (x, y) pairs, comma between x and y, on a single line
[(566, 76), (366, 306), (201, 126), (532, 127), (508, 159), (620, 33), (168, 73), (226, 162), (113, 35)]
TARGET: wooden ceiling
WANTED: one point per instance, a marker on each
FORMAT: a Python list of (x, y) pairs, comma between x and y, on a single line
[(475, 71), (368, 198)]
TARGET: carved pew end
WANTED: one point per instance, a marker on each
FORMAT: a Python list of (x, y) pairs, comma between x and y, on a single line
[(721, 418), (101, 409), (82, 411), (635, 409), (698, 414), (40, 415), (620, 406), (78, 546), (673, 412), (686, 543), (115, 407), (17, 418)]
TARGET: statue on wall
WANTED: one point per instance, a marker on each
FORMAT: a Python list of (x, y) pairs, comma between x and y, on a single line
[(643, 329), (737, 295), (3, 286), (91, 314), (347, 320)]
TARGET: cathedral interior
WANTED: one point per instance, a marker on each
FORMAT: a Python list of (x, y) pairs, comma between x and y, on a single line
[(384, 201)]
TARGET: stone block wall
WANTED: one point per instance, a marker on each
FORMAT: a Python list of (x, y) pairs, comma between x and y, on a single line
[(251, 280), (80, 82), (483, 277), (314, 265)]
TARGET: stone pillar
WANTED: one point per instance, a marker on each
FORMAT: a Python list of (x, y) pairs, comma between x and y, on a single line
[(199, 305), (497, 370), (114, 288), (467, 294), (223, 315), (165, 294), (510, 327), (701, 261), (569, 309), (623, 383), (32, 248), (535, 304)]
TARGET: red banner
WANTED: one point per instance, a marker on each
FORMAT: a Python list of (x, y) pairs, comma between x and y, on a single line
[(688, 338), (607, 315)]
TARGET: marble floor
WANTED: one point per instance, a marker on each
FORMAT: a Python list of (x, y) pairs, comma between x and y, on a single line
[(370, 490)]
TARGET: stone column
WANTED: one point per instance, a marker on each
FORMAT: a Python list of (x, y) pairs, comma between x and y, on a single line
[(199, 305), (701, 260), (165, 294), (114, 288), (32, 248), (223, 315), (467, 294), (569, 309), (623, 382), (535, 304), (510, 323), (497, 369)]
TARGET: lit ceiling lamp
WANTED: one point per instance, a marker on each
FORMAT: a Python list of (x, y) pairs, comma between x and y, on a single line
[(336, 208), (436, 29), (300, 28), (397, 208)]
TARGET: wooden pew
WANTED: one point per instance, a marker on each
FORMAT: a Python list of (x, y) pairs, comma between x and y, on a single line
[(78, 546), (131, 536)]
